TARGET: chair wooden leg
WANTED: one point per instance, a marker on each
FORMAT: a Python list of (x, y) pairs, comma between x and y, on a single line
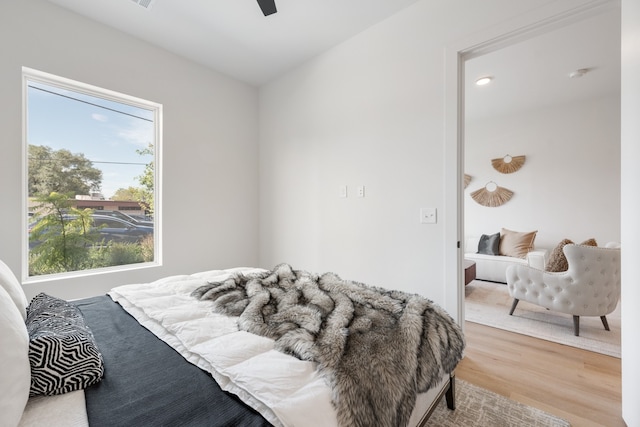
[(576, 325), (451, 392), (513, 306), (605, 323)]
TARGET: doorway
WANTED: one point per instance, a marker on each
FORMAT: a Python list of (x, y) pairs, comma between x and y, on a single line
[(552, 102), (553, 18)]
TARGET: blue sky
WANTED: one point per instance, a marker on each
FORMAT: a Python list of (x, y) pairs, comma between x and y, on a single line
[(101, 134)]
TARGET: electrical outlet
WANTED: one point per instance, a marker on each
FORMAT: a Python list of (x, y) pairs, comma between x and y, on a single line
[(361, 191), (428, 216)]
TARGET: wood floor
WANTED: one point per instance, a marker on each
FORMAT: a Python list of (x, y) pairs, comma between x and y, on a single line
[(580, 386)]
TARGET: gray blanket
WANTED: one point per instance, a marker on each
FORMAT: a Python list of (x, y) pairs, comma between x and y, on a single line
[(377, 348)]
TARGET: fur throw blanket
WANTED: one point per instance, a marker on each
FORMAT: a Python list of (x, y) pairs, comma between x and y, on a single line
[(377, 348)]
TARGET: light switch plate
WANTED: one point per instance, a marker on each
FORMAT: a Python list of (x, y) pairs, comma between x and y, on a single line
[(428, 216)]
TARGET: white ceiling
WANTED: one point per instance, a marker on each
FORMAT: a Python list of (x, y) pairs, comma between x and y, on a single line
[(233, 36), (535, 73)]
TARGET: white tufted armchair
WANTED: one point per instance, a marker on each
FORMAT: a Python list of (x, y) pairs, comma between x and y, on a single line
[(591, 286)]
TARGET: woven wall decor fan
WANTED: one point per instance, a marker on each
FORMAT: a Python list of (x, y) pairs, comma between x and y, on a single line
[(492, 195), (508, 164), (467, 180)]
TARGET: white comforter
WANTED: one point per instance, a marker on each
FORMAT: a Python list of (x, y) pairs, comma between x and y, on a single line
[(284, 389)]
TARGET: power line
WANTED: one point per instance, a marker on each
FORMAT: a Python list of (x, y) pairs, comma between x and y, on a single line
[(92, 161), (90, 103), (121, 163)]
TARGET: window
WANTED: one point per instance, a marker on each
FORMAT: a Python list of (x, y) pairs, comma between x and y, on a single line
[(90, 153)]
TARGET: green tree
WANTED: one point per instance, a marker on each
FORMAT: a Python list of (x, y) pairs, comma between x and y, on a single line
[(147, 180), (61, 171), (61, 236), (131, 193), (145, 193)]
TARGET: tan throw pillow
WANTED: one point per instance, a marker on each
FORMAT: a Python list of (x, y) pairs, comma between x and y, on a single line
[(589, 242), (516, 244), (557, 261)]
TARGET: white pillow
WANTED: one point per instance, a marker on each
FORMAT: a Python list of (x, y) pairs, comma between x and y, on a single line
[(15, 371), (13, 287)]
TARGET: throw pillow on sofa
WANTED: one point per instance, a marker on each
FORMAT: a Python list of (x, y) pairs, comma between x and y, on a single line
[(557, 261), (589, 242), (515, 243), (489, 244)]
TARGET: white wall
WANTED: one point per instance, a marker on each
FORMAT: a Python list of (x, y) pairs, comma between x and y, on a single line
[(630, 211), (210, 147), (369, 112), (569, 186)]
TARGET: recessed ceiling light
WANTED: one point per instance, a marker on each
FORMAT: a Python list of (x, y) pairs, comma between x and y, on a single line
[(484, 80)]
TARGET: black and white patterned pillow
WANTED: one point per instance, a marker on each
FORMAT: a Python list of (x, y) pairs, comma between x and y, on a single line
[(62, 351)]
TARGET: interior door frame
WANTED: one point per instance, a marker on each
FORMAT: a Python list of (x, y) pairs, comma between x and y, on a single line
[(536, 22)]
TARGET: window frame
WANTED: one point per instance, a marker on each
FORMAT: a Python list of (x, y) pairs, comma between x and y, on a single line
[(32, 75)]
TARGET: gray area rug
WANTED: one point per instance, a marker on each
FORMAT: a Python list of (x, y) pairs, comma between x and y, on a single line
[(478, 407), (488, 303)]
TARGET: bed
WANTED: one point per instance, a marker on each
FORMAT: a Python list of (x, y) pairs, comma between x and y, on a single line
[(254, 347)]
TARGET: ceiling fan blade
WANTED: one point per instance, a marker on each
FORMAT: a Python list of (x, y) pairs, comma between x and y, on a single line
[(268, 6)]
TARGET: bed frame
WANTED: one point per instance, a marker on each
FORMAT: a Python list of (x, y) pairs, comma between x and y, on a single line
[(447, 391)]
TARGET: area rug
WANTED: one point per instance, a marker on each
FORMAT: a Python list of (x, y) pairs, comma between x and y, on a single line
[(488, 303), (478, 407)]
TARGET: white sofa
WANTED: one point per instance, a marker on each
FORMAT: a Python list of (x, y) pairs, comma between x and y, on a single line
[(494, 267)]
